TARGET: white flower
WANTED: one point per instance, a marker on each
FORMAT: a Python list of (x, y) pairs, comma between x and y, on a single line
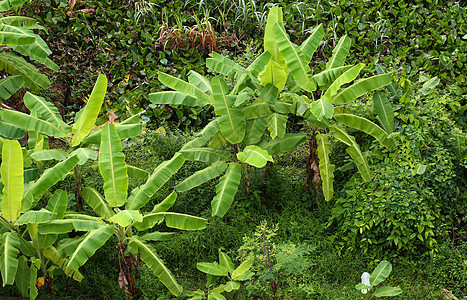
[(365, 281)]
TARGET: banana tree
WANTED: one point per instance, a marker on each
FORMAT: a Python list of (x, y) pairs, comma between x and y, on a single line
[(45, 121), (23, 250), (120, 214)]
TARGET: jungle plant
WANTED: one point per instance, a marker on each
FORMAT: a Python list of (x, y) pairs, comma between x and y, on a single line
[(379, 274), (125, 222), (23, 255), (216, 271), (252, 111)]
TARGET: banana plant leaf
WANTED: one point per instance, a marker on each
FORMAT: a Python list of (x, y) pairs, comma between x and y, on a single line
[(226, 262), (275, 74), (253, 71), (9, 251), (346, 77), (366, 126), (11, 171), (221, 64), (255, 156), (380, 273), (200, 81), (309, 46), (201, 177), (173, 98), (326, 169), (256, 110), (57, 204), (31, 123), (97, 203), (10, 85), (275, 16), (233, 125), (276, 124), (67, 246), (222, 100), (13, 35), (362, 87), (87, 119), (328, 76), (124, 131), (22, 276), (11, 132), (137, 173), (157, 236), (254, 130), (149, 257), (165, 204), (279, 145), (242, 269), (126, 217), (184, 87), (387, 291), (54, 256), (15, 65), (32, 50), (6, 5), (88, 246), (172, 220), (339, 53), (84, 154), (384, 111), (141, 195), (34, 216), (52, 154), (322, 108), (206, 155), (112, 167), (226, 190), (213, 269)]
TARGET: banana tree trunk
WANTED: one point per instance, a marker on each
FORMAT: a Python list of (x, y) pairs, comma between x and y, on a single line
[(313, 180)]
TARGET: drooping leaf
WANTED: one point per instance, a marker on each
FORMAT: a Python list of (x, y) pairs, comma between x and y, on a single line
[(30, 122), (384, 111), (242, 268), (124, 131), (137, 173), (11, 171), (200, 81), (165, 204), (221, 64), (256, 110), (279, 145), (88, 246), (9, 250), (310, 45), (326, 77), (380, 273), (226, 190), (84, 154), (53, 255), (112, 167), (173, 98), (34, 216), (22, 276), (339, 53), (87, 119), (201, 177), (233, 125), (172, 220), (276, 124), (220, 94), (205, 154), (97, 203), (326, 169), (57, 204), (387, 291), (15, 65), (346, 77), (157, 236), (362, 87), (150, 258), (212, 269), (49, 154), (255, 156), (226, 262), (9, 86), (11, 132), (184, 87)]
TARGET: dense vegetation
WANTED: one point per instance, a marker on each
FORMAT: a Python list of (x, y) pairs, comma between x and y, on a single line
[(293, 163)]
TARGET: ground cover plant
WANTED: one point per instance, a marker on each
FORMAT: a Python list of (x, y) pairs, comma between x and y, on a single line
[(279, 239)]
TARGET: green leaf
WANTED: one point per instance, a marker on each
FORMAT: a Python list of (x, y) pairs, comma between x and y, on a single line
[(32, 216), (29, 122), (362, 87), (10, 85), (124, 131), (384, 111), (15, 65), (84, 154), (387, 291), (87, 119), (215, 296), (113, 167), (88, 246), (11, 171), (157, 236), (205, 154), (275, 74), (149, 257), (184, 87), (295, 59), (126, 217), (201, 177), (276, 124), (309, 46), (200, 81), (380, 273), (322, 108), (326, 169), (212, 269), (429, 85), (137, 173), (254, 130), (172, 220), (346, 77), (22, 276), (280, 145), (13, 35), (9, 250), (49, 178), (366, 126), (328, 76), (41, 155), (166, 204), (57, 204), (255, 156), (339, 53), (242, 268), (231, 286), (53, 255), (140, 196), (222, 101), (226, 190), (233, 125), (97, 203), (226, 262), (6, 5), (223, 65), (256, 110), (173, 98), (11, 132)]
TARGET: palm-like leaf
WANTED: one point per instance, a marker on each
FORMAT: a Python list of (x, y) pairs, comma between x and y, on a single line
[(226, 190), (279, 145), (53, 255), (223, 65), (255, 156), (98, 203), (184, 88), (380, 273), (31, 123), (9, 250), (339, 53), (326, 169), (11, 171), (16, 65), (276, 124), (362, 87), (205, 154), (126, 217), (384, 111), (201, 177), (310, 45), (47, 110), (10, 85)]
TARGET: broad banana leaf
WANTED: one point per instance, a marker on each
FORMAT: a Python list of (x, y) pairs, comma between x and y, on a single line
[(173, 98), (255, 156), (322, 108), (49, 178), (67, 246), (200, 81), (270, 39), (88, 246), (172, 220), (126, 217), (13, 35), (184, 87), (38, 48), (16, 65), (387, 291), (279, 145), (380, 273), (339, 53), (362, 87), (254, 130), (276, 124), (384, 111), (68, 225), (295, 59), (222, 101), (97, 203), (32, 50), (213, 269), (149, 257), (11, 132), (137, 173), (22, 276), (366, 126), (275, 74), (310, 45), (215, 294), (87, 119), (459, 146), (54, 256), (242, 269), (201, 177), (9, 86), (141, 195), (269, 94), (11, 171), (30, 122), (226, 190), (84, 154), (393, 87), (34, 216), (9, 250), (31, 23), (6, 5), (248, 79), (124, 131), (226, 262), (326, 77), (256, 110), (326, 169), (35, 265), (346, 77), (112, 167), (165, 204), (354, 151), (157, 236), (217, 141), (223, 65), (206, 155), (41, 155), (58, 204)]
